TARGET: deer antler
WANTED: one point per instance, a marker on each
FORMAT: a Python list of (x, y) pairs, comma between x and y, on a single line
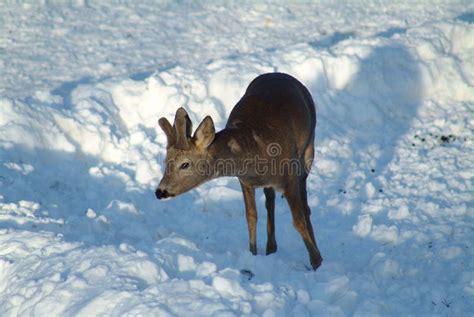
[(168, 129), (183, 127)]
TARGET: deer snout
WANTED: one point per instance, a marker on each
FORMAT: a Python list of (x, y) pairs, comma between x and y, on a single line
[(162, 194)]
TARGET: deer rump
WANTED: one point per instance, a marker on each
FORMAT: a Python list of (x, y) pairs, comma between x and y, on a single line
[(280, 114)]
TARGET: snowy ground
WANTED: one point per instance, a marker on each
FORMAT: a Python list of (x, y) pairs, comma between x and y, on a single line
[(81, 90)]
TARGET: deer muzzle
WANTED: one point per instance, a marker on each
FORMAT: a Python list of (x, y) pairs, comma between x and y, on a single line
[(162, 194)]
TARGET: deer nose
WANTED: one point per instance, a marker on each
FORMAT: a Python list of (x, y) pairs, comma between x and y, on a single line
[(162, 194)]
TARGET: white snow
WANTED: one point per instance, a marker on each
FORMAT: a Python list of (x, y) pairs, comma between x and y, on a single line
[(81, 153)]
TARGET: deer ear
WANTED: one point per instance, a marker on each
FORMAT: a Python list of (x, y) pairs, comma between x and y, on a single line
[(167, 129), (205, 133)]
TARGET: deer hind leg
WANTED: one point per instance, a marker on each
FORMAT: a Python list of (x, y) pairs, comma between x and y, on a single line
[(251, 215), (270, 205), (301, 220), (308, 160), (308, 157), (304, 197)]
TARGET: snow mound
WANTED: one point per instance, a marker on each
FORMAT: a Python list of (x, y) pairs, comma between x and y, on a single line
[(81, 153)]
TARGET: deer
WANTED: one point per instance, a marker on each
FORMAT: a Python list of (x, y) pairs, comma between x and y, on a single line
[(267, 142)]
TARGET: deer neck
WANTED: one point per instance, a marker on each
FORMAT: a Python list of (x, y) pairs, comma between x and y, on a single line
[(228, 152)]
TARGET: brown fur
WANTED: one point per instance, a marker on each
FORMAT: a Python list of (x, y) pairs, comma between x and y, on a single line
[(267, 142)]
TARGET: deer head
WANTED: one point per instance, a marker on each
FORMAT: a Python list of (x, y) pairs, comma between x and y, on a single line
[(187, 161)]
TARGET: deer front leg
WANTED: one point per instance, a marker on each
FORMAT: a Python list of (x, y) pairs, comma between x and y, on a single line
[(270, 205), (302, 222), (251, 215)]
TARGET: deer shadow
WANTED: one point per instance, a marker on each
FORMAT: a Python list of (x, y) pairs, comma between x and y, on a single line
[(77, 196)]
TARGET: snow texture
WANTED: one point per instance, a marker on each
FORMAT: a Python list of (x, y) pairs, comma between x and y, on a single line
[(391, 192)]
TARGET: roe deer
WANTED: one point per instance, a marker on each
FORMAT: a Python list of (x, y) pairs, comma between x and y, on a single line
[(267, 142)]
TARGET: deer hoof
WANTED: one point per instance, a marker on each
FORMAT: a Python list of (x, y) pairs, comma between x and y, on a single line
[(253, 249), (271, 248), (315, 263)]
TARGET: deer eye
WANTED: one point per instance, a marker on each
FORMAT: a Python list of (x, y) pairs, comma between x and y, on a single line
[(184, 166)]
